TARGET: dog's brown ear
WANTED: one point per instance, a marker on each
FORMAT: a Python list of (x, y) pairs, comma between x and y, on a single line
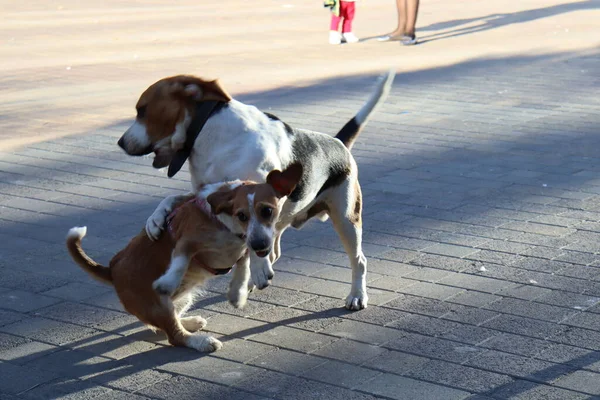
[(285, 182), (221, 202), (199, 89)]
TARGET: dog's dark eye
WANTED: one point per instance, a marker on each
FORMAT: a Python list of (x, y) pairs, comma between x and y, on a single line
[(266, 212), (141, 112), (242, 217)]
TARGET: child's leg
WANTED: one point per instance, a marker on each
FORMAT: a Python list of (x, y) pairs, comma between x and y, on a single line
[(347, 11), (335, 22), (334, 35)]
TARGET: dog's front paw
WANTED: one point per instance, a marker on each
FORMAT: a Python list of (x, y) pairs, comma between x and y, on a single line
[(358, 301), (262, 277), (237, 297), (204, 343), (165, 286), (155, 225)]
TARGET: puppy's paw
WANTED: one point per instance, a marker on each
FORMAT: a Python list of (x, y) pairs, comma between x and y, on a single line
[(193, 323), (204, 343), (155, 225), (165, 286)]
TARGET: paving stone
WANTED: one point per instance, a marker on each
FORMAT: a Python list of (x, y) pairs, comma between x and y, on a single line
[(188, 388), (65, 388), (527, 390), (53, 332), (18, 300), (293, 339), (282, 386), (17, 379), (396, 362), (362, 332), (288, 362), (458, 376), (519, 366), (350, 352), (524, 326), (212, 369), (531, 309), (76, 291), (398, 387), (92, 317), (431, 347), (337, 373), (516, 344)]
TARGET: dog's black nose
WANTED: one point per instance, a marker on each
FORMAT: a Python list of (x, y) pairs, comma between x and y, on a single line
[(121, 143), (260, 244)]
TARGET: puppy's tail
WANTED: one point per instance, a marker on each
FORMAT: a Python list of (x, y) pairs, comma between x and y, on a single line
[(98, 271), (350, 131)]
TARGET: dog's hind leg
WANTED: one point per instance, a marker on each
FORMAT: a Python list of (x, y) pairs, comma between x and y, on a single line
[(192, 323), (165, 318), (345, 211)]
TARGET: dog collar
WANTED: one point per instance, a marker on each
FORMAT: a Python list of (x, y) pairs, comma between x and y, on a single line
[(203, 205), (203, 111)]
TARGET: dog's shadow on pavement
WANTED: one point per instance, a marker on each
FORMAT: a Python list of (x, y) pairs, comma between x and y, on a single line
[(109, 359)]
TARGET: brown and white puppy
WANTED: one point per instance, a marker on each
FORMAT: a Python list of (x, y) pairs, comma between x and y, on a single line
[(238, 141), (156, 280)]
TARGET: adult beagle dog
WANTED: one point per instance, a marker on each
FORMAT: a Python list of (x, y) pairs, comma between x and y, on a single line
[(185, 117)]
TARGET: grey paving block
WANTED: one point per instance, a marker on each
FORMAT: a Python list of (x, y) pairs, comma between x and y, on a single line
[(76, 291), (531, 309), (421, 305), (350, 352), (65, 388), (129, 378), (396, 362), (49, 331), (286, 361), (282, 386), (235, 326), (21, 301), (342, 374), (432, 347), (431, 290), (8, 317), (293, 339), (211, 369), (583, 381), (458, 376), (527, 390), (398, 387), (519, 366), (17, 379), (362, 332), (18, 350), (92, 317), (188, 388), (114, 346), (525, 326), (516, 344)]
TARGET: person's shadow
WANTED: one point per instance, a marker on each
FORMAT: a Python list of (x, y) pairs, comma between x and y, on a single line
[(494, 21)]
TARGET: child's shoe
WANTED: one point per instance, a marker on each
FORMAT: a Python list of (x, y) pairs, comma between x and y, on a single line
[(349, 37), (335, 37)]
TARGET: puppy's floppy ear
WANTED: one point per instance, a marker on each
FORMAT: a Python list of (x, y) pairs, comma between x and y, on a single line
[(214, 91), (285, 182), (221, 202), (199, 89)]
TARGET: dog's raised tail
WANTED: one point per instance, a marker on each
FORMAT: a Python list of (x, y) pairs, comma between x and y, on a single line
[(97, 271), (350, 131)]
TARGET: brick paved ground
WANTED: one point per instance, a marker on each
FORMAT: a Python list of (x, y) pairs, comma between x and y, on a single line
[(482, 205)]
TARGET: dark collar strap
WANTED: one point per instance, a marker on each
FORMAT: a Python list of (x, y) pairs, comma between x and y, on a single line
[(203, 111)]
